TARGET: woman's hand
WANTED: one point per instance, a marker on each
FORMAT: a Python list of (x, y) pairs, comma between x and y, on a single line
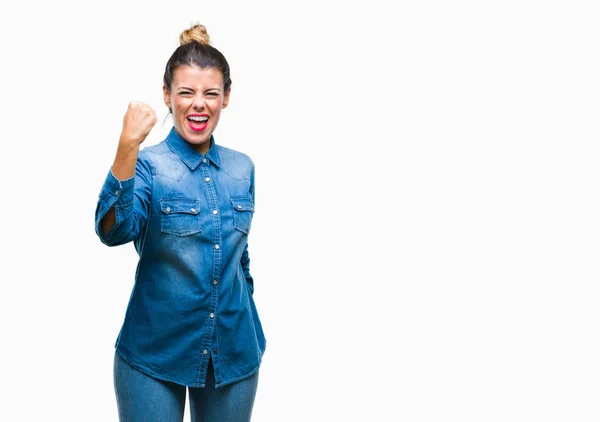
[(138, 121)]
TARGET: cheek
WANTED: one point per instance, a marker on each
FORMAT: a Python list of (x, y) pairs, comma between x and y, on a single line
[(180, 104), (216, 106)]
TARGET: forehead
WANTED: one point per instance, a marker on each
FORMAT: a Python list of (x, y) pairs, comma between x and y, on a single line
[(195, 77)]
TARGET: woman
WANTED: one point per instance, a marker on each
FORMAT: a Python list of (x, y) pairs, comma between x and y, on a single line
[(187, 205)]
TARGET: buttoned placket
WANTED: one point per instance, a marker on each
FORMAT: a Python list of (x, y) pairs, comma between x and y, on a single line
[(209, 339)]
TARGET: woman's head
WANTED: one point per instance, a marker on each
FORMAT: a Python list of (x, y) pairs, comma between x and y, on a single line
[(196, 87)]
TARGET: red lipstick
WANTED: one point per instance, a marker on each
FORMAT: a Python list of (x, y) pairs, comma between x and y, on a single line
[(195, 125)]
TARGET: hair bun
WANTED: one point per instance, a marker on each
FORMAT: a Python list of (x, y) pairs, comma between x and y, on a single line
[(196, 33)]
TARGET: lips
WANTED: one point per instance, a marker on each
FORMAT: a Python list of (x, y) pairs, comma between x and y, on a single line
[(197, 122)]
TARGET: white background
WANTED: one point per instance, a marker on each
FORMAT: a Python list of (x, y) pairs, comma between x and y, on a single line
[(426, 238)]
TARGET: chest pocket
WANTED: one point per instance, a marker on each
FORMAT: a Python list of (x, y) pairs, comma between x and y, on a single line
[(180, 216), (243, 210)]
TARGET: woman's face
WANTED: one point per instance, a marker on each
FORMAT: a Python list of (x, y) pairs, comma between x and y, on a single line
[(196, 99)]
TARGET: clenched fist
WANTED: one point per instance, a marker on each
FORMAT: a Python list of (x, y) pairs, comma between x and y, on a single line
[(138, 121)]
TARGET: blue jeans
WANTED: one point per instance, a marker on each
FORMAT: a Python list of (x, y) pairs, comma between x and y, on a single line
[(141, 398)]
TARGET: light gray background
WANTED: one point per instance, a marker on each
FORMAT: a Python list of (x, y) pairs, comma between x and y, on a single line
[(426, 238)]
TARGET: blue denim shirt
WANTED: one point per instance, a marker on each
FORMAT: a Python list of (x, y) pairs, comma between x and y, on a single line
[(188, 216)]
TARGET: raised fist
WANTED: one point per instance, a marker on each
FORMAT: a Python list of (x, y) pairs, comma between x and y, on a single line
[(138, 121)]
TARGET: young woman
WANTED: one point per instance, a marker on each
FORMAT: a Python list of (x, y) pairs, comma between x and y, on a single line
[(187, 204)]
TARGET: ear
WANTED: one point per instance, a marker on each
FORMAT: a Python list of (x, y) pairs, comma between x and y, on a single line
[(167, 98), (226, 99)]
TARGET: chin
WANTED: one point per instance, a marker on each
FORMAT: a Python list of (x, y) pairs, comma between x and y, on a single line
[(192, 137), (199, 143), (197, 140)]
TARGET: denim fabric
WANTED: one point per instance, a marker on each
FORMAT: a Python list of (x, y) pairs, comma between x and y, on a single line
[(189, 216), (141, 398)]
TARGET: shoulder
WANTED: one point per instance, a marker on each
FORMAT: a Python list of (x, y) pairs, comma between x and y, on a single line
[(157, 156), (238, 166), (154, 150), (231, 155), (235, 163)]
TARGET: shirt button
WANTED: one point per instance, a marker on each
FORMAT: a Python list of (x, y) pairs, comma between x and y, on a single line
[(217, 246), (215, 282), (207, 179), (204, 160), (193, 209), (117, 193), (239, 206), (205, 352), (168, 209), (215, 212), (212, 315)]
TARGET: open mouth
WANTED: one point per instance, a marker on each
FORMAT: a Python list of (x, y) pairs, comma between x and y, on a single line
[(197, 122)]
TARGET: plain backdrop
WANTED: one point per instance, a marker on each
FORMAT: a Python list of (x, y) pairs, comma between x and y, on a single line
[(426, 237)]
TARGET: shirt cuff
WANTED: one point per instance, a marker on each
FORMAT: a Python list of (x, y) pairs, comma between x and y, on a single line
[(117, 192)]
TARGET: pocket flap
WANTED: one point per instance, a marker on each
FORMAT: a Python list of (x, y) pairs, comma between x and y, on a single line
[(242, 203), (180, 205)]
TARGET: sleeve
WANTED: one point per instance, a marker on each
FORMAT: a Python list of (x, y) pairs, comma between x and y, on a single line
[(245, 260), (131, 201)]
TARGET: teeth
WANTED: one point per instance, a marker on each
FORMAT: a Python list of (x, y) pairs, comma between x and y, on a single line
[(198, 118)]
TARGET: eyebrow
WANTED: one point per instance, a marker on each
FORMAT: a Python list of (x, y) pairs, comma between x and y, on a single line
[(181, 88)]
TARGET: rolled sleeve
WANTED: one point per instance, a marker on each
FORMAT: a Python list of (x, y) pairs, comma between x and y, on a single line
[(117, 192), (130, 200)]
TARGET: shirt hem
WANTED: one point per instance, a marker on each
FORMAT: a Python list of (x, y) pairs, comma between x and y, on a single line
[(134, 361), (243, 377)]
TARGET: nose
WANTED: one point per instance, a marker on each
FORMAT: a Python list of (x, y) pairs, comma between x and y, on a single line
[(199, 102)]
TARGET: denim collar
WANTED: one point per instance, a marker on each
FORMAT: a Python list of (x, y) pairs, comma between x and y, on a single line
[(188, 154)]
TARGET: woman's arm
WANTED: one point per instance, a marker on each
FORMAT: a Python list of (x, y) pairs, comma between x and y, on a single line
[(137, 123)]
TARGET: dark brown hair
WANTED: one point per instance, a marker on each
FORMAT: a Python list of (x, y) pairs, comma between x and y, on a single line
[(195, 50)]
